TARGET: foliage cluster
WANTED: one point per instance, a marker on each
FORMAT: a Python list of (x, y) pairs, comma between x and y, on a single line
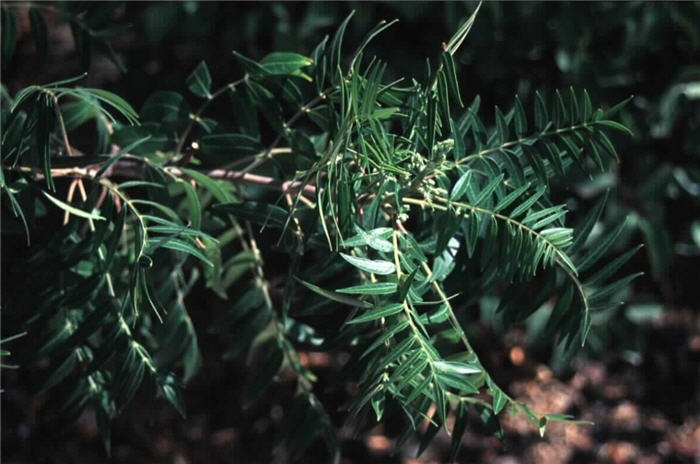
[(369, 197)]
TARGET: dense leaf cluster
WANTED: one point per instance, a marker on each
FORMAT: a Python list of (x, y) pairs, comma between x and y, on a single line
[(376, 192)]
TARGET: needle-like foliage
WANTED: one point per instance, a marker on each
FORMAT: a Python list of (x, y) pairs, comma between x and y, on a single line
[(385, 196)]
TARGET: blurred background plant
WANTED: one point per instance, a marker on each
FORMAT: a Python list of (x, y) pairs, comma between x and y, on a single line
[(649, 50)]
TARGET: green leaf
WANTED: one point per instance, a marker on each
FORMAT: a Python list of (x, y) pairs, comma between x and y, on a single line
[(547, 213), (601, 294), (501, 126), (573, 106), (210, 184), (286, 63), (607, 145), (385, 113), (12, 337), (451, 75), (386, 336), (610, 112), (440, 403), (461, 34), (460, 426), (72, 210), (443, 97), (165, 107), (156, 206), (142, 183), (601, 247), (461, 186), (499, 399), (378, 401), (43, 130), (610, 268), (378, 313), (520, 118), (376, 30), (447, 224), (525, 205), (615, 125), (489, 418), (77, 113), (459, 149), (375, 239), (199, 82), (250, 66), (178, 245), (336, 45), (587, 106), (541, 116), (542, 426), (436, 317), (488, 190), (458, 368), (336, 296), (117, 156), (195, 208), (116, 102), (406, 281), (559, 113), (511, 197), (172, 391), (471, 232), (380, 267), (376, 288), (583, 230), (585, 326)]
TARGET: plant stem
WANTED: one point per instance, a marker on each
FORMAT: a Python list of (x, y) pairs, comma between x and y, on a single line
[(132, 170), (519, 141), (193, 117)]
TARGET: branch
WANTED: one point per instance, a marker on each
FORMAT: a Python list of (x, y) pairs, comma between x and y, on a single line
[(133, 170)]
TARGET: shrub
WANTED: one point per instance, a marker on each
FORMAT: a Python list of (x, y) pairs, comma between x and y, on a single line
[(334, 211)]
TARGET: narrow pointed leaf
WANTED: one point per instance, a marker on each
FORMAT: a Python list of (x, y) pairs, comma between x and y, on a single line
[(380, 267), (378, 313), (336, 296), (199, 82)]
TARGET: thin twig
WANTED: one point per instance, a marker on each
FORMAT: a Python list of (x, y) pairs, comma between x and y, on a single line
[(194, 117)]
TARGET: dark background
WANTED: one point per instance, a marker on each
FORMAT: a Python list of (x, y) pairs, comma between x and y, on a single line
[(638, 379)]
